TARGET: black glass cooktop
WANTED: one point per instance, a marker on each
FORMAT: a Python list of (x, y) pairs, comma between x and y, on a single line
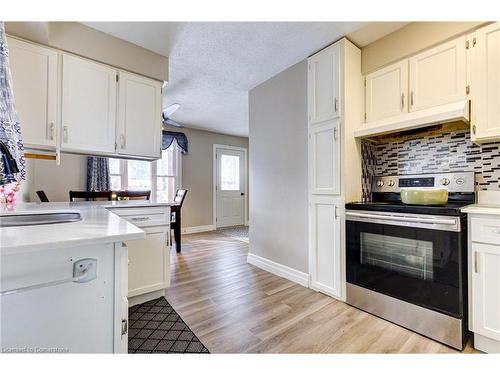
[(449, 209)]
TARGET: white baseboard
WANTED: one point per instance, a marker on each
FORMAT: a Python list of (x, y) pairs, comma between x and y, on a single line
[(199, 229), (279, 269)]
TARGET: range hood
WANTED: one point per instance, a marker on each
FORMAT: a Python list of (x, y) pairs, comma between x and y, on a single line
[(457, 111)]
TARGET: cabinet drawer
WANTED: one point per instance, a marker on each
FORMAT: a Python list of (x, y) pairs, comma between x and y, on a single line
[(486, 230), (148, 220)]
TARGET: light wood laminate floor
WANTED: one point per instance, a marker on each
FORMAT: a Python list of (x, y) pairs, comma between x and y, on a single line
[(234, 307)]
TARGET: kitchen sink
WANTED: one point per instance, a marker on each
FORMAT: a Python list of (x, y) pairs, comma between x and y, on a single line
[(39, 219)]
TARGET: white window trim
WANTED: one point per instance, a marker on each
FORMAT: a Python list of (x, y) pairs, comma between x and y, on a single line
[(177, 155)]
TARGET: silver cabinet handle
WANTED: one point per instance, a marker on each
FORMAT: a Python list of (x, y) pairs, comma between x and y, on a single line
[(142, 218), (404, 218), (335, 134), (411, 98), (122, 141), (124, 327), (84, 270), (51, 131), (476, 262), (336, 104), (402, 100), (65, 134), (336, 212)]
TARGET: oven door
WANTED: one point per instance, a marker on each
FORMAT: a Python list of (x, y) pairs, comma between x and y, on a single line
[(418, 259)]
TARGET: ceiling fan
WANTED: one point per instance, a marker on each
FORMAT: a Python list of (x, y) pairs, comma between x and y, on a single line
[(169, 111)]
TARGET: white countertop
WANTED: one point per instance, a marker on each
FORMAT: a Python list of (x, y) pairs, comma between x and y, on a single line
[(482, 209), (98, 225)]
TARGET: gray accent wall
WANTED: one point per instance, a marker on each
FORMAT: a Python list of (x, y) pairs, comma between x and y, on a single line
[(278, 168), (197, 173)]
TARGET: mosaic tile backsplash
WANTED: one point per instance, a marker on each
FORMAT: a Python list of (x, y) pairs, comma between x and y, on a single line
[(438, 149)]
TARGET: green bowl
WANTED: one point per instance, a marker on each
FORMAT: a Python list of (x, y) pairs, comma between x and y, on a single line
[(424, 196)]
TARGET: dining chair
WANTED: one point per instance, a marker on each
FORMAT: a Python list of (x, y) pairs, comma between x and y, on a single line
[(175, 217), (132, 195), (90, 195), (42, 196)]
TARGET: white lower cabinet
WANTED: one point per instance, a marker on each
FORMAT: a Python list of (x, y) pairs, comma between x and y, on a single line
[(149, 262), (325, 255), (148, 258), (484, 282), (53, 314)]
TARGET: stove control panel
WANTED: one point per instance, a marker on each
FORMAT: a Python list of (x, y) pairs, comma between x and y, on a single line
[(456, 182)]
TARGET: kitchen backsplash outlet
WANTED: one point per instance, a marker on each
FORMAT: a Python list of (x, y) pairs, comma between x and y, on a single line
[(439, 149)]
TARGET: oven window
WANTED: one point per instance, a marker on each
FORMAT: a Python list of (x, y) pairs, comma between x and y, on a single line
[(426, 267), (405, 256)]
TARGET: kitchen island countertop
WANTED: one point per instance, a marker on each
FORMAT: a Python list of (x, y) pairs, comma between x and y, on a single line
[(98, 225)]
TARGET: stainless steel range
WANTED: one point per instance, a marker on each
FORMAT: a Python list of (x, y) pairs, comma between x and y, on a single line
[(408, 263)]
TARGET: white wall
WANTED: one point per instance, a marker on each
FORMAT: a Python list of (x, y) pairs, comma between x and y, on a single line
[(278, 168)]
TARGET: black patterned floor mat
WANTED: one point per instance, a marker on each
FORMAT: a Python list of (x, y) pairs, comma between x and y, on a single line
[(155, 327)]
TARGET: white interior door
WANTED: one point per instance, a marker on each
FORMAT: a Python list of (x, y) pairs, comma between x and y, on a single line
[(230, 187)]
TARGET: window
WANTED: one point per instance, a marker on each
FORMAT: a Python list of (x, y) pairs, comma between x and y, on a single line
[(230, 172), (162, 176)]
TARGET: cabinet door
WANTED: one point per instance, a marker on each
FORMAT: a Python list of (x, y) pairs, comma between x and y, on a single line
[(324, 158), (88, 106), (485, 83), (139, 116), (149, 262), (486, 290), (325, 246), (121, 301), (438, 75), (386, 92), (34, 79), (324, 85)]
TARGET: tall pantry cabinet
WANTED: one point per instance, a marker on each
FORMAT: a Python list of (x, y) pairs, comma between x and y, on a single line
[(335, 102)]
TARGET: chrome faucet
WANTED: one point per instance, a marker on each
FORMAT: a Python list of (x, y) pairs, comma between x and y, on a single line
[(8, 165)]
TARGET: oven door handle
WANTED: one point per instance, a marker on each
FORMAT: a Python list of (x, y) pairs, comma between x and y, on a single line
[(404, 218)]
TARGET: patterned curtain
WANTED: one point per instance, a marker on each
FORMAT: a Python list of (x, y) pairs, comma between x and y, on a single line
[(10, 128), (98, 178), (180, 138)]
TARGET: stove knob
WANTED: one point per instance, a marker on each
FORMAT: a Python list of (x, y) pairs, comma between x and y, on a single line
[(391, 183), (380, 183), (460, 181), (445, 181)]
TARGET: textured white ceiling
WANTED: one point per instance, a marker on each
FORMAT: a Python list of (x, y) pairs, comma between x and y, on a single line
[(213, 65)]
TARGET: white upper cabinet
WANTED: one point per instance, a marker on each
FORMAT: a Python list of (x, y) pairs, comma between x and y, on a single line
[(34, 77), (139, 116), (438, 75), (485, 83), (325, 158), (386, 92), (88, 116), (324, 85)]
